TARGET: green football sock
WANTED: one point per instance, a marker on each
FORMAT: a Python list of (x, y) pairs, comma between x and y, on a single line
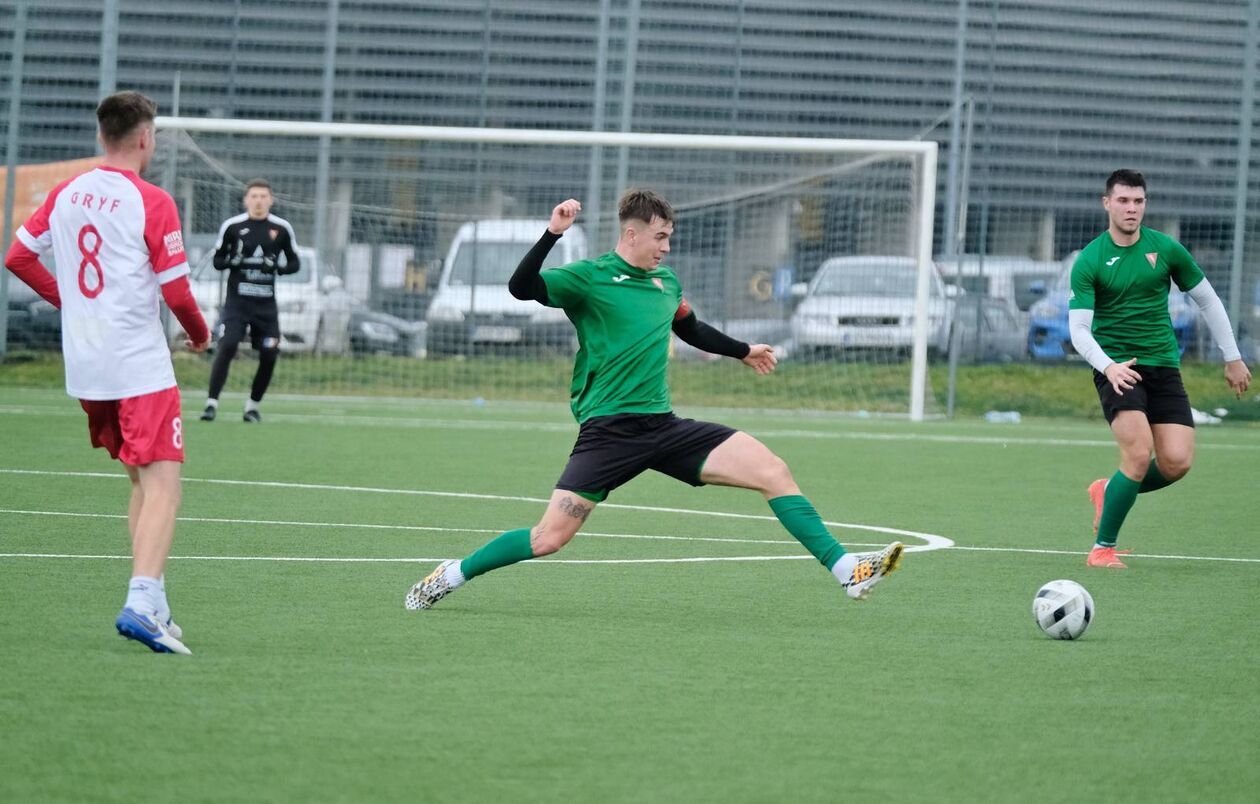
[(502, 550), (801, 520), (1118, 499), (1154, 480)]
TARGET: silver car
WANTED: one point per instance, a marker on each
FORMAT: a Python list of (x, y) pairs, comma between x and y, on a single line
[(867, 303)]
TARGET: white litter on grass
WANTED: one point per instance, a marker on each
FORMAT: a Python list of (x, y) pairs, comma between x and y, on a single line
[(1202, 417)]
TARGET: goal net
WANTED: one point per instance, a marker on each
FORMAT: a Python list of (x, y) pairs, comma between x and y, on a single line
[(408, 234)]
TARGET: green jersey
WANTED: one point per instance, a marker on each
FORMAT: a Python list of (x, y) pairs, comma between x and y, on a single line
[(623, 316), (1127, 288)]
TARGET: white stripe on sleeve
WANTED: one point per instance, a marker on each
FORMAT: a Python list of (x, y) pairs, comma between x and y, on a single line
[(36, 244), (286, 225), (173, 273)]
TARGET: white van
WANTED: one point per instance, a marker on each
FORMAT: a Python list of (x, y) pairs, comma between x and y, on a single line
[(1019, 280), (472, 308)]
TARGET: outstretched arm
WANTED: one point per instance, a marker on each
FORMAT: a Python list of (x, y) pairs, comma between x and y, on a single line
[(526, 282), (704, 337), (759, 356)]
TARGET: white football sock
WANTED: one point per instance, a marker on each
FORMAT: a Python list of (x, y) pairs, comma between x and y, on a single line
[(164, 608), (454, 575), (250, 405), (212, 403), (144, 595), (843, 569)]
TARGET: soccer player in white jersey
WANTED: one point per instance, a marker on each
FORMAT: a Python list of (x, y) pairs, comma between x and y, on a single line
[(116, 242)]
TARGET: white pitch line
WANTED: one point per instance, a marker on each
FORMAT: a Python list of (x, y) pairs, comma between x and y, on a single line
[(354, 560), (412, 422), (1082, 553), (422, 528), (431, 528), (933, 541)]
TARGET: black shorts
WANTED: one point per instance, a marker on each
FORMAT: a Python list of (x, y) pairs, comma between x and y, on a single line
[(1160, 395), (261, 318), (612, 450)]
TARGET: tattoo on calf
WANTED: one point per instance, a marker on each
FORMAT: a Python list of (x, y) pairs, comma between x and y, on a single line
[(574, 508)]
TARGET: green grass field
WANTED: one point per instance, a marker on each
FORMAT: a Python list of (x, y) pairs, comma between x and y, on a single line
[(645, 662)]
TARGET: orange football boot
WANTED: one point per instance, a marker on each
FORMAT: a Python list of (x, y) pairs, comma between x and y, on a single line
[(1096, 491), (1106, 557)]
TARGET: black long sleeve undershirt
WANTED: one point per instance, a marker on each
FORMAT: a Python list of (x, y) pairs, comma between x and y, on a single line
[(526, 283), (708, 339)]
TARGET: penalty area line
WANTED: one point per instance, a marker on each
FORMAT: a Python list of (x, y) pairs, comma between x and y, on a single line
[(413, 528), (931, 541)]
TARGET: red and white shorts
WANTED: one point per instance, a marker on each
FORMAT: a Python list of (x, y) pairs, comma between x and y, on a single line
[(140, 429)]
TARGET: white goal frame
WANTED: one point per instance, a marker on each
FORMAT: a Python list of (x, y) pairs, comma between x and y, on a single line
[(923, 154)]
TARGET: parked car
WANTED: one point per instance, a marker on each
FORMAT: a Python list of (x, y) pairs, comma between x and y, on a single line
[(472, 307), (867, 303), (307, 302), (33, 323), (1021, 280), (372, 332), (1048, 335), (988, 330)]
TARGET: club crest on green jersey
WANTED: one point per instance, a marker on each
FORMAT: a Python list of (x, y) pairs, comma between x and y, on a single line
[(1152, 257), (656, 280)]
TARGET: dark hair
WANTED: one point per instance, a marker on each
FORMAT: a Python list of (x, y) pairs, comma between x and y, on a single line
[(121, 113), (643, 205), (263, 183), (1129, 178)]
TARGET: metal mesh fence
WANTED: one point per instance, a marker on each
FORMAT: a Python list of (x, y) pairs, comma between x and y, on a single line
[(1033, 103)]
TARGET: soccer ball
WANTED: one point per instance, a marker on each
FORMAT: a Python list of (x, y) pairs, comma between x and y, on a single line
[(1063, 610)]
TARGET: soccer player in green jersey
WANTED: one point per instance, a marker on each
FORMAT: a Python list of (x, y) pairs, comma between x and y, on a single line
[(1118, 317), (625, 304)]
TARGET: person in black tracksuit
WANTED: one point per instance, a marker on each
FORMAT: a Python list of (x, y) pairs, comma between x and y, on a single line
[(254, 248)]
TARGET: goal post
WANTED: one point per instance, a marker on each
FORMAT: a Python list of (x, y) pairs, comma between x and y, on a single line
[(759, 219)]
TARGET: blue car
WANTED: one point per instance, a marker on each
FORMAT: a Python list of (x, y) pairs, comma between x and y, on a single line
[(1048, 336)]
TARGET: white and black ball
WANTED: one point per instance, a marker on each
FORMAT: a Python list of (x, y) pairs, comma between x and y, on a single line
[(1063, 609)]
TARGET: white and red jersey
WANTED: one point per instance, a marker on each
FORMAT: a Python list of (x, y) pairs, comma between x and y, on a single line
[(115, 239)]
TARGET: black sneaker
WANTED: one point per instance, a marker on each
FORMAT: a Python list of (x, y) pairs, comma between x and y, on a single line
[(209, 413), (252, 416)]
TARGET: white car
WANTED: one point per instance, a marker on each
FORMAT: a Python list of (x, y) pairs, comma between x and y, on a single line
[(472, 307), (312, 313), (867, 303)]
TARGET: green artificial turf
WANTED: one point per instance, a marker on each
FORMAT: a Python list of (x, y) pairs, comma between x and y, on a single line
[(673, 680)]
